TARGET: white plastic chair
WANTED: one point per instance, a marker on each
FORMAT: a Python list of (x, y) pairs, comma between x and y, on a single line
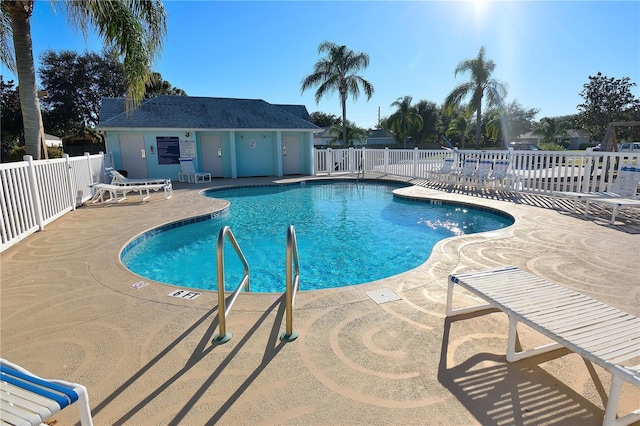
[(189, 174)]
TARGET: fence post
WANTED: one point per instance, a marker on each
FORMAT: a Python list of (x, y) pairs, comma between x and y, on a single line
[(67, 176), (415, 162), (385, 159), (351, 157), (35, 192), (362, 160), (87, 157), (329, 160)]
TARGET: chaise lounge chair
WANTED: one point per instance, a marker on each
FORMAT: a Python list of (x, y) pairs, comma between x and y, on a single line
[(30, 400), (625, 186), (189, 174), (120, 186), (600, 333)]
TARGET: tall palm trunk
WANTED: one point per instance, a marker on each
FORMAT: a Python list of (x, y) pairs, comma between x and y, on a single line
[(343, 101), (478, 125), (20, 13)]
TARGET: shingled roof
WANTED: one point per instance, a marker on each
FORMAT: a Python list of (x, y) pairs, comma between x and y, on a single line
[(187, 112)]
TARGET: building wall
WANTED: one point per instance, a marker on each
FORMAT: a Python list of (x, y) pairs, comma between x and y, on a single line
[(243, 153)]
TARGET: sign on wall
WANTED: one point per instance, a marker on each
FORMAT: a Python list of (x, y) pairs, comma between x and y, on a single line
[(188, 146), (168, 149)]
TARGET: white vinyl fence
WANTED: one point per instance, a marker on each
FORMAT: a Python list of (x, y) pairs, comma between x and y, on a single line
[(538, 171), (35, 193)]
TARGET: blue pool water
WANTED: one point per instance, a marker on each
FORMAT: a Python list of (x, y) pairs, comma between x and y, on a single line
[(347, 233)]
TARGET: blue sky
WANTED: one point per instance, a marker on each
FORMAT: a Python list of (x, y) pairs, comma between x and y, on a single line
[(543, 50)]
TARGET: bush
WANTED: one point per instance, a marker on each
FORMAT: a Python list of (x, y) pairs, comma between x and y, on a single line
[(551, 147)]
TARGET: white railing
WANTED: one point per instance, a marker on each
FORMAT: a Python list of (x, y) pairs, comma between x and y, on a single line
[(34, 193), (538, 171)]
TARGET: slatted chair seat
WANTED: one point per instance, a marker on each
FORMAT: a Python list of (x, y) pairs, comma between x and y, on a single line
[(598, 332), (119, 193), (27, 399)]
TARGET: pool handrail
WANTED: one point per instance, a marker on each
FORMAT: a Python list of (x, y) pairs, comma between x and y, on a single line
[(223, 336), (292, 280)]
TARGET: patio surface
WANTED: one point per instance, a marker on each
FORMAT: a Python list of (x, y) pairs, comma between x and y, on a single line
[(68, 311)]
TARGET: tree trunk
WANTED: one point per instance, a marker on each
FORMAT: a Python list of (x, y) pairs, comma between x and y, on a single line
[(343, 100), (478, 125), (20, 14)]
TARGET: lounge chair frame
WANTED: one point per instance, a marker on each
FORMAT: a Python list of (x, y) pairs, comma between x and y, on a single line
[(598, 332), (29, 399)]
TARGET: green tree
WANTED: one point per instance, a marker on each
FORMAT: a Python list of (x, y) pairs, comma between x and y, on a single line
[(135, 28), (337, 71), (354, 134), (406, 119), (431, 121), (76, 84), (480, 85), (158, 86), (10, 119), (548, 128), (606, 100), (504, 122), (322, 119), (460, 125)]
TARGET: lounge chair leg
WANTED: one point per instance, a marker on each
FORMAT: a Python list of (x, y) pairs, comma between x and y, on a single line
[(611, 410), (512, 355)]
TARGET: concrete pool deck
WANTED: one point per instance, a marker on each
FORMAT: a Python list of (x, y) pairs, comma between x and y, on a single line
[(68, 311)]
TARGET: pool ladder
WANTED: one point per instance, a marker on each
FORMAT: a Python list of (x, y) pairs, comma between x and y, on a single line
[(292, 282)]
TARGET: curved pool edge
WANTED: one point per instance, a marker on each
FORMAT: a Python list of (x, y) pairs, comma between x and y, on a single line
[(403, 190)]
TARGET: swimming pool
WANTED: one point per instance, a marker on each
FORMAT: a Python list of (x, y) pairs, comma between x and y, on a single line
[(348, 233)]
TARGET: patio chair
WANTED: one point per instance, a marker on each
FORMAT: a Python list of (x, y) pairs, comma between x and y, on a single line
[(481, 173), (189, 174), (624, 186), (502, 176), (442, 174), (468, 170), (30, 400)]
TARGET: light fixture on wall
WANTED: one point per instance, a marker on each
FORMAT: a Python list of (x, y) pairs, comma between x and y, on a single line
[(151, 149), (284, 150), (219, 152)]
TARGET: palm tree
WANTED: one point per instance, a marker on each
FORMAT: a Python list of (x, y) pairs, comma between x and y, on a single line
[(135, 28), (337, 71), (548, 128), (354, 133), (460, 125), (496, 125), (405, 120), (481, 84)]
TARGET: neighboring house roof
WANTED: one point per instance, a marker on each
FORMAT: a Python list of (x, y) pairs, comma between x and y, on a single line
[(52, 141), (187, 112)]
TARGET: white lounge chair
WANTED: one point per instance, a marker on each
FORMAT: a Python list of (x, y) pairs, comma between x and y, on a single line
[(30, 400), (615, 203), (598, 332), (119, 193), (118, 178), (189, 174), (624, 186)]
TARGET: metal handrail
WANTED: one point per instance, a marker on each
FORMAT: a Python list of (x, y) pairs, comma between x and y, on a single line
[(223, 336), (292, 282)]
